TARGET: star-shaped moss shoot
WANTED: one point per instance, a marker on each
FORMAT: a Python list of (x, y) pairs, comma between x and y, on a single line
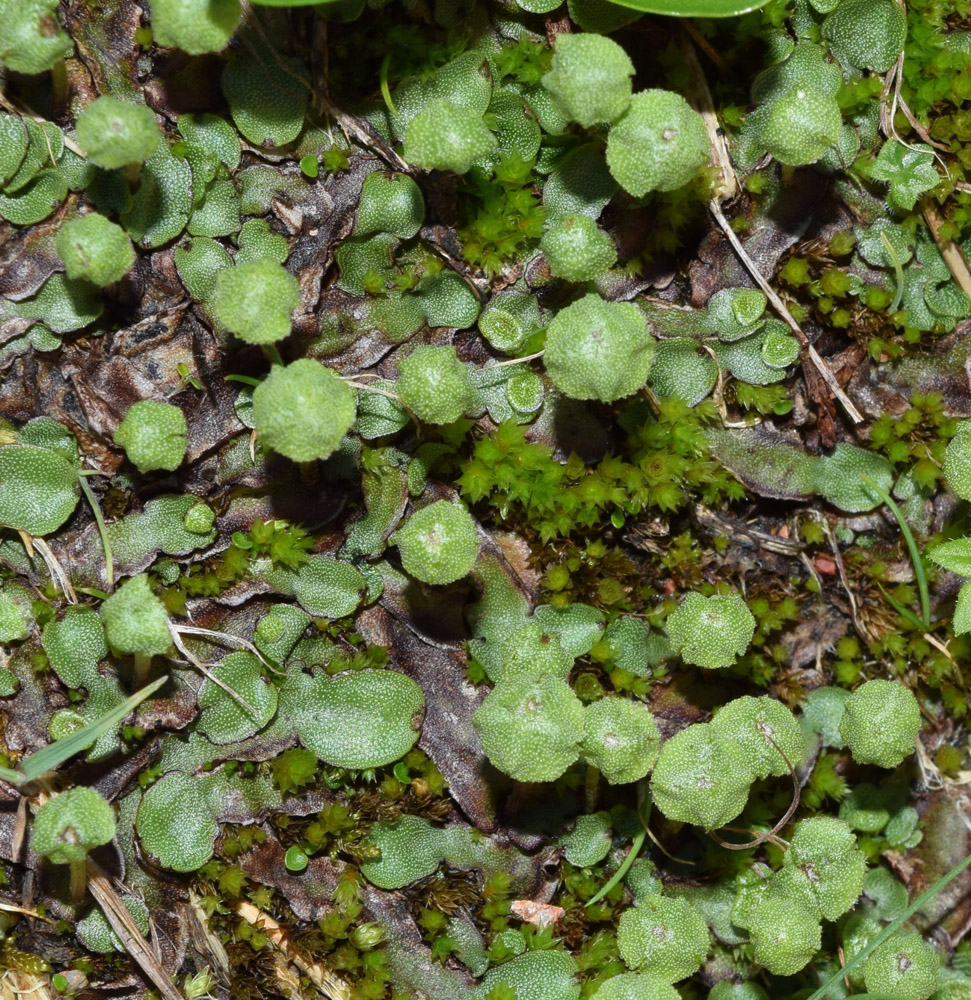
[(576, 248), (69, 825), (531, 726), (620, 738), (711, 631), (766, 730), (94, 248), (254, 300), (439, 543), (446, 136), (434, 384), (390, 203), (659, 144), (802, 125), (701, 779), (881, 721), (590, 78), (115, 133), (824, 850), (195, 27), (31, 40), (664, 937), (153, 435), (303, 410), (599, 350), (905, 966), (136, 622)]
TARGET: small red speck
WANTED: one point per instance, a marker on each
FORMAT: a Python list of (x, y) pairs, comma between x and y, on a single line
[(825, 565)]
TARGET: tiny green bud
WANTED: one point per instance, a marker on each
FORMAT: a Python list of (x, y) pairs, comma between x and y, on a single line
[(199, 519), (364, 937), (434, 384), (95, 249), (153, 435), (115, 133), (439, 543), (295, 859), (590, 78)]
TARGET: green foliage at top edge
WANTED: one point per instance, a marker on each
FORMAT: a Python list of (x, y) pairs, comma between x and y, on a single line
[(689, 8)]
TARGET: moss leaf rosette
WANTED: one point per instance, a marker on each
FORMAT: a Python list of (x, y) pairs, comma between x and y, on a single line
[(599, 350), (223, 719), (366, 718), (175, 823), (38, 489), (69, 825)]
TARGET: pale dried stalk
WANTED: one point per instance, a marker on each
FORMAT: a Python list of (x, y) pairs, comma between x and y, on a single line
[(950, 251), (330, 985), (56, 570), (728, 187), (121, 922), (818, 363)]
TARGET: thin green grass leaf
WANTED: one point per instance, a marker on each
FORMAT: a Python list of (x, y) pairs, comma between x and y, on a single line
[(925, 597), (46, 759), (635, 848), (102, 530), (904, 613), (11, 777)]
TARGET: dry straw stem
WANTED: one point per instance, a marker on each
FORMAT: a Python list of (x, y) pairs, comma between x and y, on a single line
[(727, 187), (818, 363), (950, 251), (121, 922), (330, 985)]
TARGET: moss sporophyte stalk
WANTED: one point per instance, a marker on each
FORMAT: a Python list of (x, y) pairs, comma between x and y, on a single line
[(483, 499)]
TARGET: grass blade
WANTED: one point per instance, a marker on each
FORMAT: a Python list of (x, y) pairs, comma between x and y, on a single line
[(925, 597), (925, 897), (11, 777), (46, 759)]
